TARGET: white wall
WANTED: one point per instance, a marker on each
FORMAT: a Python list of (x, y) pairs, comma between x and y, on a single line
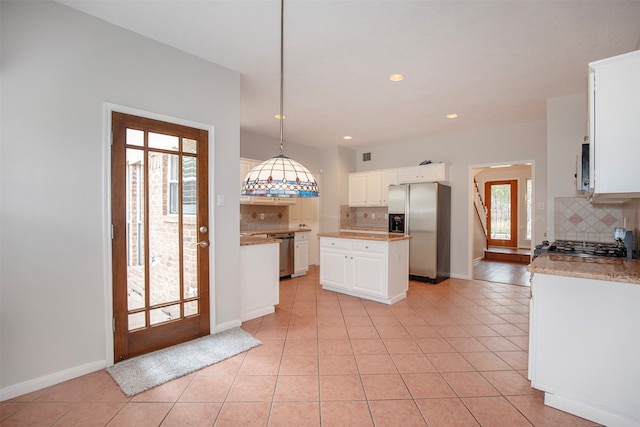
[(566, 129), (518, 143), (337, 163), (59, 67), (260, 147)]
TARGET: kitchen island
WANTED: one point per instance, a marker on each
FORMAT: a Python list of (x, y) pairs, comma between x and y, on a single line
[(259, 276), (373, 266), (584, 336)]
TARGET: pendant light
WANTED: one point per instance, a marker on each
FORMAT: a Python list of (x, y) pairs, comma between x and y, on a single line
[(280, 176)]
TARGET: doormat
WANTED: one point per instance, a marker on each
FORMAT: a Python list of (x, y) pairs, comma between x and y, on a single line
[(141, 373)]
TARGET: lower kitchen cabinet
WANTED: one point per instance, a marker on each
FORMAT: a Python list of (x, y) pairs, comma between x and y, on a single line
[(369, 269), (584, 347), (300, 254)]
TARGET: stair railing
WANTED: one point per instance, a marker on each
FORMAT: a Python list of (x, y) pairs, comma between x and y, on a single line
[(481, 209)]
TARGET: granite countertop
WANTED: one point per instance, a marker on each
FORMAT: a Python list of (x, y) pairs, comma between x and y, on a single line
[(253, 240), (274, 231), (388, 237), (598, 268), (372, 229)]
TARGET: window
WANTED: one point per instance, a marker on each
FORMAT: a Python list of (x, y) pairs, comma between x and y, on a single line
[(188, 185)]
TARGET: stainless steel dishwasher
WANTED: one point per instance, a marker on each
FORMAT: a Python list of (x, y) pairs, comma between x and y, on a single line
[(286, 252)]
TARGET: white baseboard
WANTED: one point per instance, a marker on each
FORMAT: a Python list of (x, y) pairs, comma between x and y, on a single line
[(228, 325), (460, 276), (588, 412), (263, 311), (35, 384)]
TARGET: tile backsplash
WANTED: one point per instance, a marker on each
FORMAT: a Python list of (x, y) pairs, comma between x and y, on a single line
[(263, 217), (364, 217), (577, 219)]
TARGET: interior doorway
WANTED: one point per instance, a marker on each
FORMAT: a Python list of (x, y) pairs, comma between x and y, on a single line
[(501, 250), (160, 240)]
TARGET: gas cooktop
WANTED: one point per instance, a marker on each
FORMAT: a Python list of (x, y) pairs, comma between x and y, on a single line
[(580, 248)]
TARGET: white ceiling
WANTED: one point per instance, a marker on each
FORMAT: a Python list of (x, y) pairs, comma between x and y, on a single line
[(492, 62)]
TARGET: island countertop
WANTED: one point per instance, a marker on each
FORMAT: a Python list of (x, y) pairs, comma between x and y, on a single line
[(597, 268), (274, 231), (380, 237), (253, 240)]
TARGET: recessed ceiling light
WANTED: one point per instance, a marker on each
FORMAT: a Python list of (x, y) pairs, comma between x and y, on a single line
[(452, 116), (347, 137), (277, 116), (396, 77), (500, 166)]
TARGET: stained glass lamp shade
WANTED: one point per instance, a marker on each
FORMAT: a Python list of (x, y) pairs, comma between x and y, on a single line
[(280, 176)]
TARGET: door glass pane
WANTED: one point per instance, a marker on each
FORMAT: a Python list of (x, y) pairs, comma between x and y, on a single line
[(165, 314), (135, 211), (501, 212), (190, 308), (164, 142), (189, 195), (189, 145), (136, 321), (164, 247), (189, 227), (528, 202), (135, 137)]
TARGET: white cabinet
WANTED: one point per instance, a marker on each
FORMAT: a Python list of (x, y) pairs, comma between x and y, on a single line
[(334, 264), (300, 254), (371, 188), (369, 269), (614, 126), (303, 211), (374, 188), (259, 281), (309, 209), (245, 166), (389, 177), (574, 355), (358, 189), (434, 172)]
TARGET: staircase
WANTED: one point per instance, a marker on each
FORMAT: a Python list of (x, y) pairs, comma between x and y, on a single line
[(497, 253)]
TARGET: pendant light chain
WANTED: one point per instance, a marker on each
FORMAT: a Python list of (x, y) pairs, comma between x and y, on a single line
[(282, 77)]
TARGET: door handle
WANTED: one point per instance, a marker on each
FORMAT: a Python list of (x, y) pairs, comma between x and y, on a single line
[(203, 244)]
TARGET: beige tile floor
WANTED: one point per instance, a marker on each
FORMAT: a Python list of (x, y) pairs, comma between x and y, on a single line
[(452, 354)]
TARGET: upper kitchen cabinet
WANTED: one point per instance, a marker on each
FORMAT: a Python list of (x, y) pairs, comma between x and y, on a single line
[(389, 177), (358, 189), (245, 166), (614, 126), (371, 188), (303, 211), (433, 172)]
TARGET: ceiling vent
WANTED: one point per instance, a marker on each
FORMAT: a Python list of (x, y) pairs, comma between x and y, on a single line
[(366, 157)]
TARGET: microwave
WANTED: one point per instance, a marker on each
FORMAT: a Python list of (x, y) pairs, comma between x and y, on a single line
[(582, 169)]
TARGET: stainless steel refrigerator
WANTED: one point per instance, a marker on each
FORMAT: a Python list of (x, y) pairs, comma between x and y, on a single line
[(423, 211)]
